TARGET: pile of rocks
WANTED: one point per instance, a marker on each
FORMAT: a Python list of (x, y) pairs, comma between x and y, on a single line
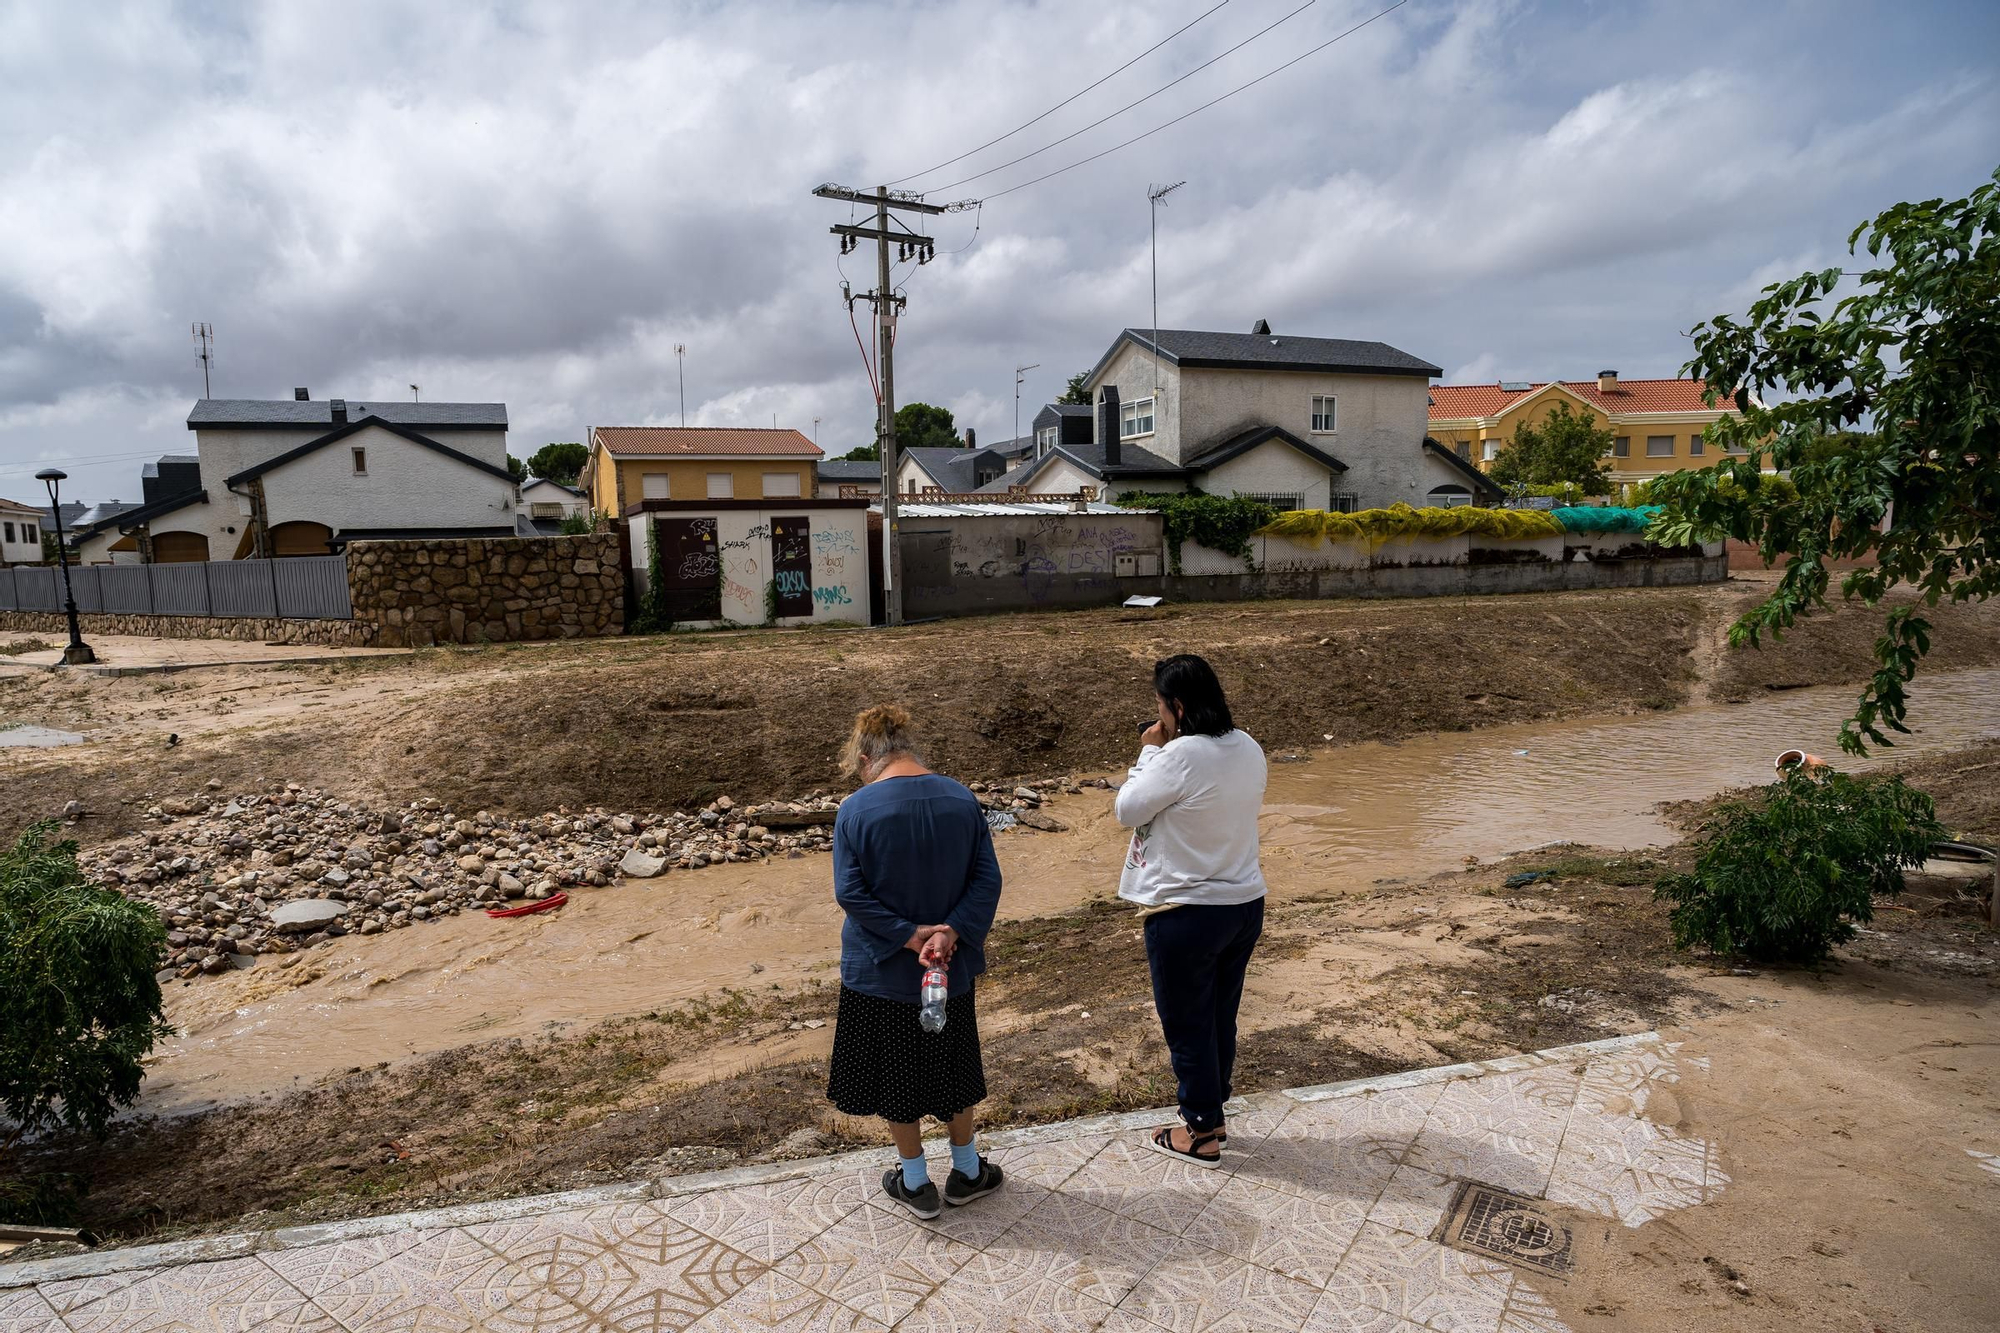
[(273, 872)]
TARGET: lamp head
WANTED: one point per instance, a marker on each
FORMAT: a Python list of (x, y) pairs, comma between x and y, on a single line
[(52, 474)]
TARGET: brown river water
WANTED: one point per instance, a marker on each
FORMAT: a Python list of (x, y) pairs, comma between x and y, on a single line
[(1341, 818)]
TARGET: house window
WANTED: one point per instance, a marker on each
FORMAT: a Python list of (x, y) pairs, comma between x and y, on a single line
[(1696, 445), (655, 486), (1734, 447), (1045, 440), (1137, 418), (1343, 502), (1659, 446), (1323, 412), (10, 532), (1281, 502), (28, 533), (1622, 447), (722, 485), (360, 462), (1464, 449), (781, 483), (545, 509), (1489, 450)]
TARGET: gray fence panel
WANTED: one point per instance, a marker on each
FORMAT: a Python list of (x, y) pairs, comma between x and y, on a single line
[(241, 588), (84, 587), (178, 590), (37, 589), (124, 589), (7, 600), (314, 587)]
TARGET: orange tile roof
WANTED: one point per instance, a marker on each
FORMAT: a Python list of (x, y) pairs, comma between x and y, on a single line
[(1451, 401), (704, 441)]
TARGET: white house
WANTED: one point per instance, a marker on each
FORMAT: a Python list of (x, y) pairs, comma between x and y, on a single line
[(1301, 423), (302, 476), (547, 503), (21, 533)]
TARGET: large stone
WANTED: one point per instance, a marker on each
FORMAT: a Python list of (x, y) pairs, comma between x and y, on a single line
[(307, 914), (638, 865)]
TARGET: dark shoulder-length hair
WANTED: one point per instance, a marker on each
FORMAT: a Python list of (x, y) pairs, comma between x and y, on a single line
[(1189, 686)]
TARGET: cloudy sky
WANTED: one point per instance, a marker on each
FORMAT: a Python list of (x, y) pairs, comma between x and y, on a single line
[(535, 202)]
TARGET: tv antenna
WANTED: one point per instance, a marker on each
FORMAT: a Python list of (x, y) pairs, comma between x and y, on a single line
[(416, 394), (680, 363), (1155, 196), (204, 338), (1020, 375)]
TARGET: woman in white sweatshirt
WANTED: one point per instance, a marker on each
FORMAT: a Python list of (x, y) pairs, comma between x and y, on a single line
[(1191, 802)]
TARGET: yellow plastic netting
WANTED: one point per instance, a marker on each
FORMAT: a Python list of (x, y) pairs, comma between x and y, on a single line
[(1401, 520)]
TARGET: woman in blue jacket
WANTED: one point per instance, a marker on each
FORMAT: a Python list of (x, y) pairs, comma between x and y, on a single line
[(914, 870)]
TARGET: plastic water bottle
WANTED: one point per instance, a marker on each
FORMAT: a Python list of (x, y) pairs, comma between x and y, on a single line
[(931, 1014)]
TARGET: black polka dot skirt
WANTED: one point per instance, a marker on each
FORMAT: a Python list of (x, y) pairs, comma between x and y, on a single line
[(885, 1064)]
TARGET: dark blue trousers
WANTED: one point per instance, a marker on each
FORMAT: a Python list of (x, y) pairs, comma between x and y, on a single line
[(1198, 956)]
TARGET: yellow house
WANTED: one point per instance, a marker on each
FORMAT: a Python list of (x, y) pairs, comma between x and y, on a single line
[(628, 464), (1656, 425)]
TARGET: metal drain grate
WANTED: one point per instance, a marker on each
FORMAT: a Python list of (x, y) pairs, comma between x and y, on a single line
[(1507, 1227)]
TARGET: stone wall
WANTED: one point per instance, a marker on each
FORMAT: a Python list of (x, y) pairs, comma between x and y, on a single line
[(492, 589), (250, 629)]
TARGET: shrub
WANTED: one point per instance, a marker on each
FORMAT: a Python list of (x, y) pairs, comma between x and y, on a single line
[(1400, 520), (1604, 518), (1224, 523), (79, 1003), (655, 615), (584, 522), (1784, 878)]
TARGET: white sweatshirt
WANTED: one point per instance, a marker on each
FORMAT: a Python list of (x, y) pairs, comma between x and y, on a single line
[(1192, 807)]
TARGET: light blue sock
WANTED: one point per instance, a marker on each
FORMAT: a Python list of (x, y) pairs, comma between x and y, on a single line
[(965, 1158), (916, 1172)]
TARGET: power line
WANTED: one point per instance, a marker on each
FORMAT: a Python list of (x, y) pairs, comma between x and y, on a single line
[(1129, 105), (1059, 105), (1198, 110), (73, 462)]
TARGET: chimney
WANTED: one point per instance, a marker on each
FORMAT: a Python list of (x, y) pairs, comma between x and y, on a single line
[(971, 440), (1262, 327), (1107, 425), (301, 395), (340, 411), (1607, 380)]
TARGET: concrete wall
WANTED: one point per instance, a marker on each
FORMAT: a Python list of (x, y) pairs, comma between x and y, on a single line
[(839, 575), (964, 565)]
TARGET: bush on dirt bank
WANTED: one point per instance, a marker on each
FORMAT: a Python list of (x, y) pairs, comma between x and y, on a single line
[(1785, 877), (79, 1005)]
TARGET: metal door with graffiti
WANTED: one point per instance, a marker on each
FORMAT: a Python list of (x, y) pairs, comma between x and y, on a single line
[(689, 569), (791, 565)]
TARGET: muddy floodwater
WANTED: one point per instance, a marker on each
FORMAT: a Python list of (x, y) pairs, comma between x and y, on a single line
[(1339, 819)]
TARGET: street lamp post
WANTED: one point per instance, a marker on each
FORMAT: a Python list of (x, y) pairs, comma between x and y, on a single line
[(78, 653)]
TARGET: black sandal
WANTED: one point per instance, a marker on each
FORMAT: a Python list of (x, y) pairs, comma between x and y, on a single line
[(1163, 1141)]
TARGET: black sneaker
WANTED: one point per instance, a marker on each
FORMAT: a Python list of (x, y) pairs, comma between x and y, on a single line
[(960, 1188), (923, 1203)]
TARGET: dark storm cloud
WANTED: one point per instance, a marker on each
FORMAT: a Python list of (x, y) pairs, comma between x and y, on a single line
[(536, 202)]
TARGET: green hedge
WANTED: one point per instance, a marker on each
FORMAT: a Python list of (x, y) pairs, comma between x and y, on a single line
[(1224, 523), (1400, 520), (1604, 518)]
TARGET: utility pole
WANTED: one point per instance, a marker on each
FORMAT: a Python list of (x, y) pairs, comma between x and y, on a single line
[(680, 364), (416, 394), (1020, 373), (204, 337), (1154, 196), (909, 245)]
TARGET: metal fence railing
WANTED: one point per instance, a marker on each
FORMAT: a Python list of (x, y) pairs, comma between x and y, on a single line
[(306, 587)]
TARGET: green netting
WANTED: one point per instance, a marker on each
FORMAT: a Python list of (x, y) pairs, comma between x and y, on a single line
[(1401, 520), (1607, 518)]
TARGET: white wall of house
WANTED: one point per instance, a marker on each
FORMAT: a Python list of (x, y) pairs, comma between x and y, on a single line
[(1379, 419), (20, 537), (96, 549), (406, 486), (1274, 468), (538, 493), (1133, 371), (743, 537)]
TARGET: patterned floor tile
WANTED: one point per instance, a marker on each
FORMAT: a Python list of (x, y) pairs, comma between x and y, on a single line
[(1337, 1313), (1394, 1111), (1078, 1246), (1050, 1164), (1351, 1162), (1413, 1200), (1133, 1180), (70, 1294), (1495, 1153), (314, 1268), (1124, 1321), (25, 1310), (1528, 1311), (768, 1222), (1194, 1289), (774, 1302), (233, 1295), (880, 1263), (1298, 1236), (977, 1224), (1620, 1082), (446, 1281), (1419, 1280), (992, 1295)]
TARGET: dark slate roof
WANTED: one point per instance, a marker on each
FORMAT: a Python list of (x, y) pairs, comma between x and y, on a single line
[(169, 460), (1481, 483), (1133, 461), (97, 515), (526, 482), (222, 413), (352, 427), (1219, 452), (125, 515), (954, 469), (1017, 477), (849, 469), (1197, 349)]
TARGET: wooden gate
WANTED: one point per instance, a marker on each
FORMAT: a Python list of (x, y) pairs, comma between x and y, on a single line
[(791, 565), (689, 569)]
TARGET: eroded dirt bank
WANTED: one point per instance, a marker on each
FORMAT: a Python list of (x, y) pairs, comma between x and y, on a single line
[(667, 722)]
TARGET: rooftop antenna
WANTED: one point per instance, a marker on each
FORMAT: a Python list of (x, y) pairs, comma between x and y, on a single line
[(1020, 374), (815, 431), (680, 362), (1155, 196), (416, 394), (204, 338)]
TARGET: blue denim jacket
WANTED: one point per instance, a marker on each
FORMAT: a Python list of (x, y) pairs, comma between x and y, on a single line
[(910, 852)]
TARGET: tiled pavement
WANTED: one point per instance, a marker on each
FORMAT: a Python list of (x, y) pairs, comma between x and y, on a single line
[(1321, 1222)]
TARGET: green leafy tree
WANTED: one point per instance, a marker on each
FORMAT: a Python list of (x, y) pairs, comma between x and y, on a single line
[(921, 426), (1884, 415), (867, 453), (561, 462), (1568, 447), (516, 468), (79, 1003), (1077, 390), (1785, 877)]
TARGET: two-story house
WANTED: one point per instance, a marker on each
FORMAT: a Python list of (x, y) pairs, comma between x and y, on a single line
[(1656, 425), (628, 464), (21, 533), (300, 476), (1300, 423)]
